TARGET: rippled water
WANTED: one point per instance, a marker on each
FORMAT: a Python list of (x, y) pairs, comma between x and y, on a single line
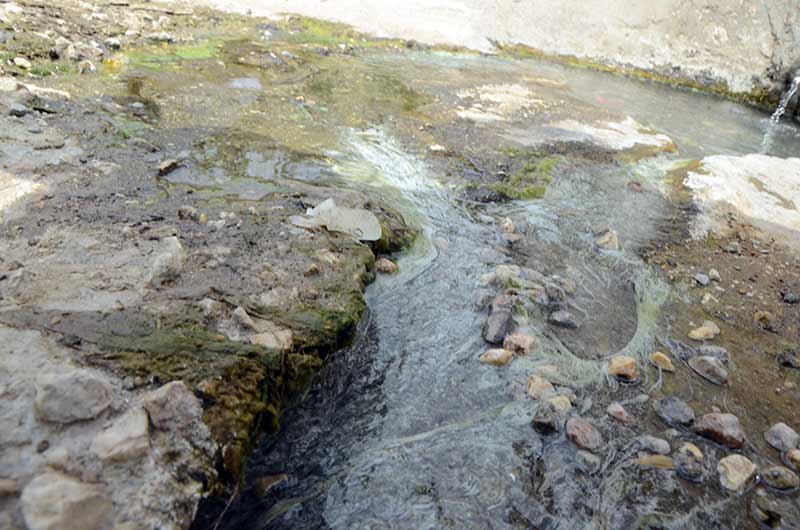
[(406, 429)]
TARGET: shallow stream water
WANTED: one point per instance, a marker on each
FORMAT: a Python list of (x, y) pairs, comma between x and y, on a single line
[(406, 429)]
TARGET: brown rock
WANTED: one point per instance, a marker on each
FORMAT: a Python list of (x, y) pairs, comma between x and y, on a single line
[(496, 357), (623, 367), (618, 412), (539, 387), (386, 266), (584, 434), (519, 343), (721, 427), (709, 330), (657, 461), (662, 361)]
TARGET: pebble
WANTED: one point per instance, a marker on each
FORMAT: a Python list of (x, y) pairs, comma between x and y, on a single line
[(780, 478), (8, 487), (496, 357), (792, 458), (72, 396), (735, 471), (782, 437), (689, 462), (721, 427), (113, 43), (584, 434), (791, 298), (172, 406), (18, 110), (500, 319), (54, 501), (764, 319), (588, 462), (562, 405), (709, 330), (701, 279), (508, 226), (618, 412), (127, 438), (539, 387), (546, 420), (519, 343), (23, 63), (655, 445), (386, 266), (733, 248), (608, 240), (662, 361), (714, 276), (710, 368), (674, 411), (623, 367), (563, 319)]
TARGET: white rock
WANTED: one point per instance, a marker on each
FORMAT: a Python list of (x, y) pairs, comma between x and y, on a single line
[(168, 263), (127, 437), (735, 471), (53, 501), (172, 406), (73, 396)]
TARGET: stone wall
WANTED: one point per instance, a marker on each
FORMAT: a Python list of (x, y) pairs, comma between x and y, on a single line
[(743, 45)]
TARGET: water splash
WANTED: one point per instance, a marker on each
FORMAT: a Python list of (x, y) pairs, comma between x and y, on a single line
[(766, 145)]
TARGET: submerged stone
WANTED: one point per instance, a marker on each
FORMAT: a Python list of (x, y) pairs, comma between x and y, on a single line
[(618, 412), (519, 343), (780, 478), (539, 387), (674, 411), (721, 427), (782, 437), (661, 360), (689, 462), (710, 368), (584, 434), (735, 471), (496, 357), (563, 319)]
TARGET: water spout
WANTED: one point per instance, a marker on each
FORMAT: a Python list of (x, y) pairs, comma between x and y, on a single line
[(786, 99)]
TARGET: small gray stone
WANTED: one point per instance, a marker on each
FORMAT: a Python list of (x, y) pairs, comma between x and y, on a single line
[(710, 368), (563, 319), (546, 420), (655, 445), (791, 298), (500, 320), (72, 396), (674, 411), (701, 279), (782, 437), (714, 276), (18, 110)]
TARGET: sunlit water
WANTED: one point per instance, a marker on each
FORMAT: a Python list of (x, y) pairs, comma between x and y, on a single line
[(407, 430)]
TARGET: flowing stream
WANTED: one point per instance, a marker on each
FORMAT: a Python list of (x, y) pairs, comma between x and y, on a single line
[(405, 429)]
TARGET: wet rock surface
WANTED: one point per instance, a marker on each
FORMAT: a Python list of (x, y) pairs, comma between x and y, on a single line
[(723, 428), (674, 411)]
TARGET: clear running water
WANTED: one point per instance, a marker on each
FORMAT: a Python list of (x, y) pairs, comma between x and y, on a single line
[(405, 429)]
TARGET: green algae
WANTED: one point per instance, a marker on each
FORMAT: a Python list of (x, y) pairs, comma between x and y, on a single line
[(531, 179)]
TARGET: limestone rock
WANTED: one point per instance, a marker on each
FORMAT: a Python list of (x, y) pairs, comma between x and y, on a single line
[(539, 387), (735, 471), (618, 412), (689, 462), (519, 343), (662, 361), (127, 437), (709, 330), (72, 396), (674, 411), (584, 434), (172, 406), (709, 368), (54, 501), (780, 478), (721, 427), (386, 266), (782, 437), (496, 357), (623, 367)]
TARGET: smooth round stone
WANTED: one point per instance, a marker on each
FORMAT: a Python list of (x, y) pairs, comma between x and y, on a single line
[(496, 357), (655, 445), (782, 437), (539, 387), (584, 434), (735, 471), (780, 478), (674, 411), (618, 412), (721, 427), (707, 331)]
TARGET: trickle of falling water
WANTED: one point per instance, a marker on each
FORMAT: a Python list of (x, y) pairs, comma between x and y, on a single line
[(766, 145), (787, 97)]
